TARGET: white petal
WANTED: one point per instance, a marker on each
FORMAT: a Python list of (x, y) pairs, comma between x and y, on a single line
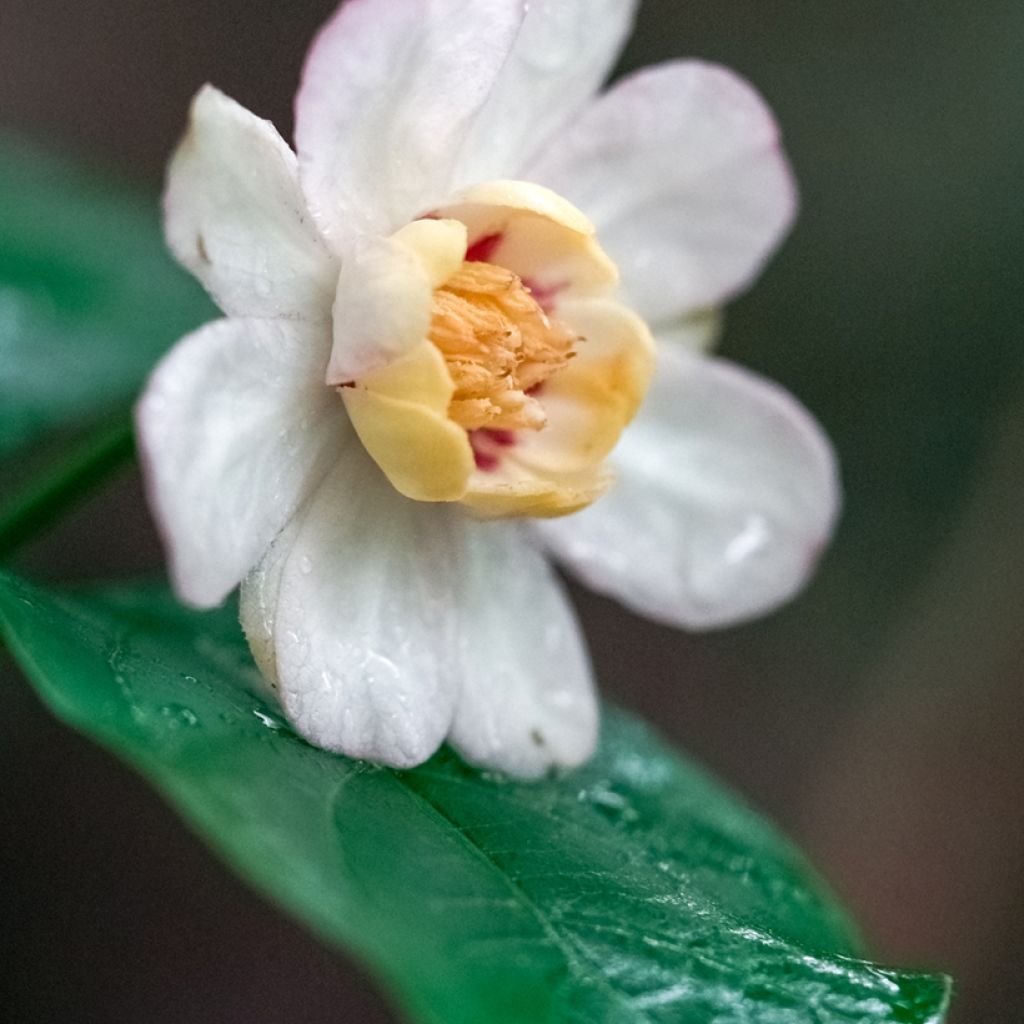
[(680, 169), (237, 219), (385, 295), (389, 92), (563, 53), (351, 618), (527, 702), (234, 427), (726, 491), (403, 101)]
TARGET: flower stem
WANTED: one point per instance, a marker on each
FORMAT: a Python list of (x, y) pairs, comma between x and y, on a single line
[(43, 496)]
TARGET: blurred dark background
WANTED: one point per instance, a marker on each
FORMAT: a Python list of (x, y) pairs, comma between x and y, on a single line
[(879, 719)]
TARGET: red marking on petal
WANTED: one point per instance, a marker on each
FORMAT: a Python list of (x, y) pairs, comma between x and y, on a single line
[(484, 248), (487, 445), (485, 460), (545, 294), (536, 391), (502, 438)]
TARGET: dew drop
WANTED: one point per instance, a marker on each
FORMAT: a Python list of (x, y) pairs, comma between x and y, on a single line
[(270, 723), (614, 806), (179, 716)]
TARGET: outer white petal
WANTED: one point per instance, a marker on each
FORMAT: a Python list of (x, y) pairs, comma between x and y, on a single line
[(527, 702), (235, 216), (351, 617), (726, 491), (234, 427), (563, 53), (681, 170), (403, 101), (389, 92)]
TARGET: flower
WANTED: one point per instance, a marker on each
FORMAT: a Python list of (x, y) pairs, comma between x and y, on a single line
[(435, 333)]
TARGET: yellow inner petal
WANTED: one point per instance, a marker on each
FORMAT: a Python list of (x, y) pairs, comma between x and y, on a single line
[(498, 345)]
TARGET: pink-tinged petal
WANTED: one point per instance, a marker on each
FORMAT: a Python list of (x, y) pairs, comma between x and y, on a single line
[(564, 52), (726, 492), (350, 618), (527, 703), (236, 218), (390, 91), (234, 427), (403, 101), (681, 170)]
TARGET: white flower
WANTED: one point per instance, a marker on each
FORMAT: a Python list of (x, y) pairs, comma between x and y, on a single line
[(426, 360)]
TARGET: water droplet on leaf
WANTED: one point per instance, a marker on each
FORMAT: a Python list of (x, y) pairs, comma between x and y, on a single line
[(179, 716)]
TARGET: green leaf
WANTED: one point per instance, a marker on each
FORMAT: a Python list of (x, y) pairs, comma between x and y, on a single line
[(633, 890), (89, 299)]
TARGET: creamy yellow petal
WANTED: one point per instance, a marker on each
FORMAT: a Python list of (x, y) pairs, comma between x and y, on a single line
[(421, 376), (440, 245), (528, 197), (401, 416), (425, 456), (591, 401), (618, 348), (515, 491), (543, 238)]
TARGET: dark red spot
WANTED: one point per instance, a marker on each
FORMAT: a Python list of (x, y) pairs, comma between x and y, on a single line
[(502, 438), (487, 445), (485, 460), (484, 248), (536, 390)]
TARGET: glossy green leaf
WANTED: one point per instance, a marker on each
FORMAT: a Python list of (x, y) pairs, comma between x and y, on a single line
[(634, 890), (89, 299)]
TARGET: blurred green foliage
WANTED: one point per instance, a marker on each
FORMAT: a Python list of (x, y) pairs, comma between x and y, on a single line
[(89, 298)]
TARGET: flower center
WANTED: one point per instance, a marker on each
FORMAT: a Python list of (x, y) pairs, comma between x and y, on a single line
[(483, 393), (499, 346)]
